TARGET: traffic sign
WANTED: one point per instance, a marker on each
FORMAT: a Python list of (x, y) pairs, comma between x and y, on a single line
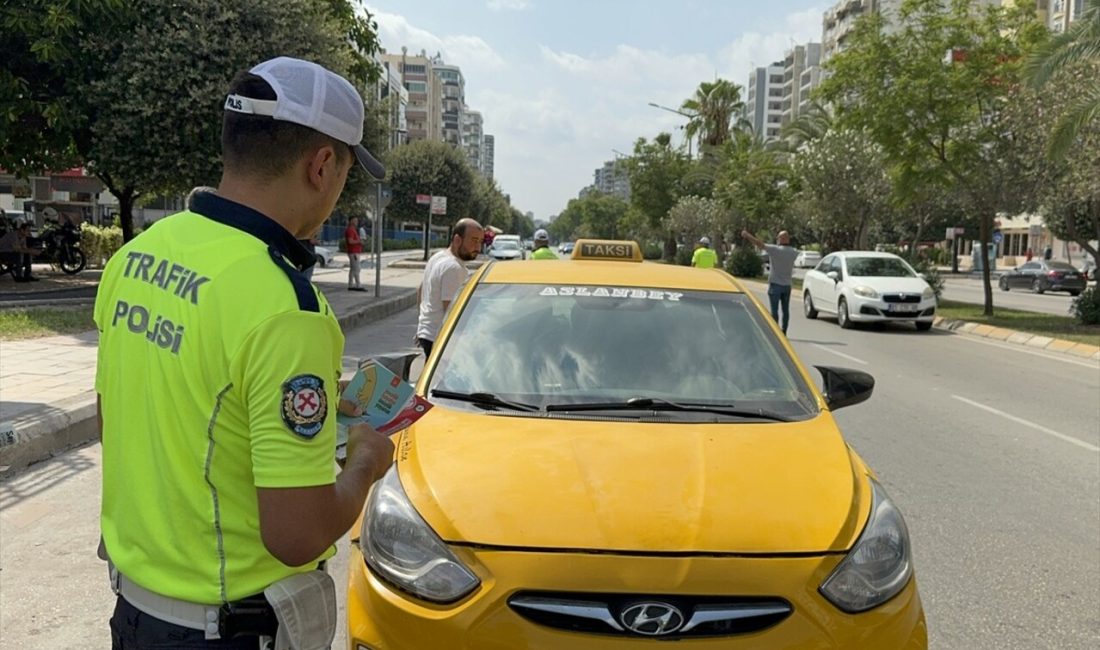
[(950, 233), (439, 205), (423, 199), (998, 237)]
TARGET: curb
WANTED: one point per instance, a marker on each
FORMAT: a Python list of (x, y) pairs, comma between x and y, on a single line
[(47, 302), (72, 422), (1034, 341)]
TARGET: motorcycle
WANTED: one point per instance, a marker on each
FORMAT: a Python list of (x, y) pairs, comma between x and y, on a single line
[(61, 246)]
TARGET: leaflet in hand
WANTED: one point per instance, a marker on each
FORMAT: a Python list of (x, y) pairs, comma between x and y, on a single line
[(388, 403)]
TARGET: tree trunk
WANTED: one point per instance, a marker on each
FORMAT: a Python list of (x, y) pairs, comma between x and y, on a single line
[(126, 198), (126, 212), (670, 247), (985, 232)]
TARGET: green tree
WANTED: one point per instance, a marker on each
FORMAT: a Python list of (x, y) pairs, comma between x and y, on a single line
[(811, 124), (44, 73), (844, 187), (1069, 183), (596, 215), (756, 184), (434, 168), (695, 216), (488, 205), (656, 172), (144, 106), (1080, 44), (940, 123), (714, 108)]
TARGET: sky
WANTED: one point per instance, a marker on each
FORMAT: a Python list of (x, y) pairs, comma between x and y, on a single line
[(563, 84)]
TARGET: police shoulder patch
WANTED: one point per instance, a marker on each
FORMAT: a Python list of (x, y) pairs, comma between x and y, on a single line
[(304, 405)]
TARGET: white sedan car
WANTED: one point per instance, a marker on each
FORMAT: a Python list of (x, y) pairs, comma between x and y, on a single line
[(867, 287), (506, 249), (324, 256), (807, 259)]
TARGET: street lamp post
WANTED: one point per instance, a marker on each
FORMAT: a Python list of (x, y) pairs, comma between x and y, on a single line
[(681, 113)]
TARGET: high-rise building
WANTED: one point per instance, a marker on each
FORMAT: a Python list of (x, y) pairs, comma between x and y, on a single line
[(1060, 14), (472, 137), (453, 99), (423, 113), (764, 102), (488, 152), (801, 74), (612, 179), (391, 87)]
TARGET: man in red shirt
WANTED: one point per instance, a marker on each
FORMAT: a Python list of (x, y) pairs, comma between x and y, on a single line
[(354, 248)]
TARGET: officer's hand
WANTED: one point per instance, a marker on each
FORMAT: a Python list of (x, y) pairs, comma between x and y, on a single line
[(369, 448)]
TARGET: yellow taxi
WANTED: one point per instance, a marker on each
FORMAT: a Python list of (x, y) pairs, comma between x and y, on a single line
[(623, 453)]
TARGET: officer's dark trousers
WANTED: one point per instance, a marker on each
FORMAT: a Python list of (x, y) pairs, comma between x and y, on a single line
[(132, 629)]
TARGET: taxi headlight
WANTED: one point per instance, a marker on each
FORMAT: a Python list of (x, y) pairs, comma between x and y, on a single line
[(866, 292), (928, 293), (400, 547), (878, 566)]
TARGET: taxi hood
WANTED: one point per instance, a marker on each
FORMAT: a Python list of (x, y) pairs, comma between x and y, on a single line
[(525, 482)]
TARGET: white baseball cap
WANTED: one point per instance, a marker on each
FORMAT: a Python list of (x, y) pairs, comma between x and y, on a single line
[(315, 97), (541, 235), (704, 240)]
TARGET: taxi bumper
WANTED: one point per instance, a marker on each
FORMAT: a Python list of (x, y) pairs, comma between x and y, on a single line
[(383, 618)]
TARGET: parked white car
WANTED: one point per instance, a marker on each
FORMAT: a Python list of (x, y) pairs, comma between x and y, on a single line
[(324, 255), (807, 259), (506, 249), (516, 239), (867, 287)]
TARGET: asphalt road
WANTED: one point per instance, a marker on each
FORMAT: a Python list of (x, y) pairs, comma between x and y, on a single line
[(970, 290), (992, 451)]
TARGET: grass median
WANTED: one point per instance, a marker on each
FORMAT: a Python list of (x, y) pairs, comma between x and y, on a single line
[(1056, 327), (35, 322)]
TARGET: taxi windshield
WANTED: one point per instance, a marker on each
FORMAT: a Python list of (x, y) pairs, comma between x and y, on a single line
[(549, 345)]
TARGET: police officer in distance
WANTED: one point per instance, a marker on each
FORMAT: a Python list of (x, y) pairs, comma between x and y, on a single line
[(542, 246), (217, 384)]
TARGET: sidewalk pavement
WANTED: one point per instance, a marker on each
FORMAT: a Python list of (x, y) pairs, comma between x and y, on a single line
[(47, 394)]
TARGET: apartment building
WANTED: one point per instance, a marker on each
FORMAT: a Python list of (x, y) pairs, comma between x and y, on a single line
[(764, 100), (612, 179), (488, 152), (801, 74), (424, 110)]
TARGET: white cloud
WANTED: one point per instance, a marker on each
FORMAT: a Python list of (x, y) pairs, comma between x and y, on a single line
[(557, 114), (469, 52), (508, 5)]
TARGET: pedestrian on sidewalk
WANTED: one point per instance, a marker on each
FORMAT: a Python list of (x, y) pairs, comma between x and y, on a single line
[(218, 363), (704, 256), (15, 249), (354, 245), (542, 246), (444, 275), (780, 275)]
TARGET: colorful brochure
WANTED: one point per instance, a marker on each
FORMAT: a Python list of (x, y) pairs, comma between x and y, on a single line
[(389, 404)]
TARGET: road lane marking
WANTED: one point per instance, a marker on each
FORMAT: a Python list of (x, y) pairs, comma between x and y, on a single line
[(1019, 347), (1037, 427), (839, 354)]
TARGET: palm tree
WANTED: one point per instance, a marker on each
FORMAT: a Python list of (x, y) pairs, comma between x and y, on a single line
[(810, 125), (1079, 45), (715, 110)]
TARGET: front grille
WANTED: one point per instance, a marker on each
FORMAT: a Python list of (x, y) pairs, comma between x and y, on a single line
[(901, 297), (646, 615)]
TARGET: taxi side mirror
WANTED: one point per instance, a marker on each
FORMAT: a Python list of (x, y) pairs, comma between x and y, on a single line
[(845, 387)]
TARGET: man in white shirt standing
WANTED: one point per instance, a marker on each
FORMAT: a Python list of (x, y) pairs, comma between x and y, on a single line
[(444, 276)]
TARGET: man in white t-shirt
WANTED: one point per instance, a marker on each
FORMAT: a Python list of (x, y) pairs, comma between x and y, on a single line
[(444, 276)]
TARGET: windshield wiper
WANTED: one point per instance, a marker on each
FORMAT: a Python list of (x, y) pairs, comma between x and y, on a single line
[(658, 404), (487, 400)]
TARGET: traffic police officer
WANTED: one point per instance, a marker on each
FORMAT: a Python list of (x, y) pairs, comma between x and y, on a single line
[(704, 256), (217, 378), (542, 246)]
